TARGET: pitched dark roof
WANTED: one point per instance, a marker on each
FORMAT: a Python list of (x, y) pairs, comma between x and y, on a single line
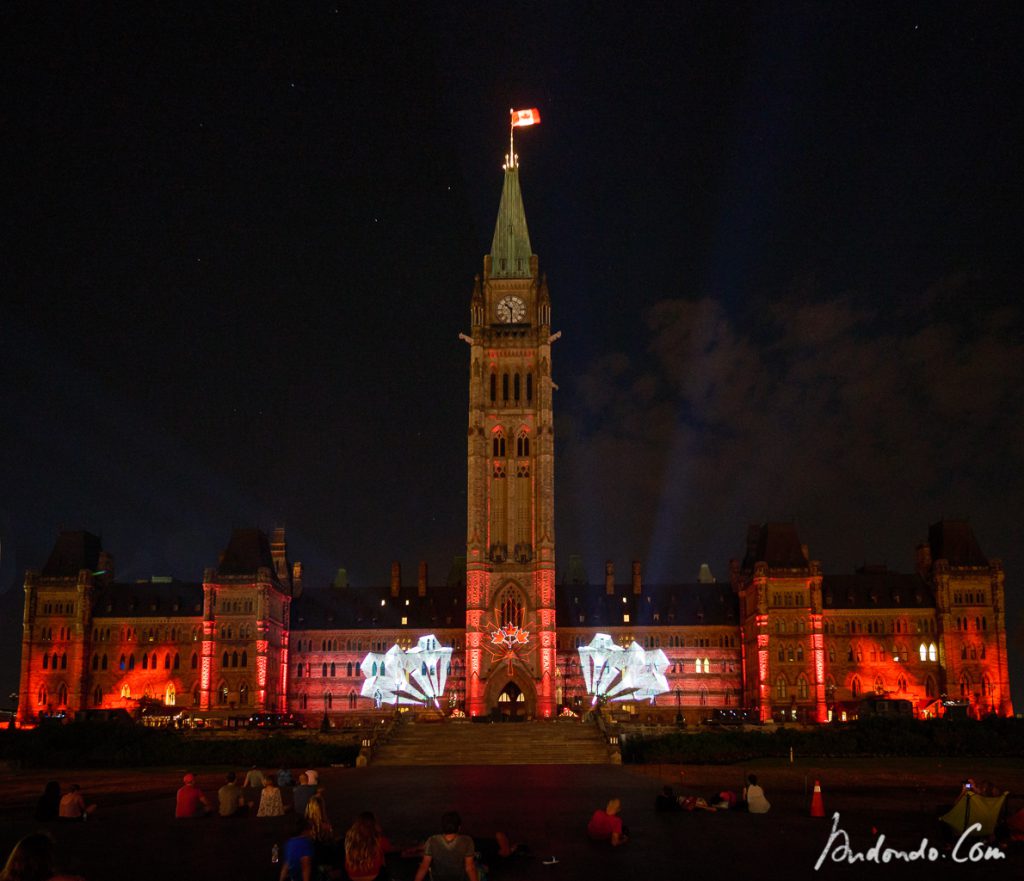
[(247, 551), (148, 599), (777, 544), (954, 540), (371, 608), (664, 605), (72, 552), (875, 588)]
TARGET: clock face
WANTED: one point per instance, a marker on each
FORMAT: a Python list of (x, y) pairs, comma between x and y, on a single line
[(511, 310)]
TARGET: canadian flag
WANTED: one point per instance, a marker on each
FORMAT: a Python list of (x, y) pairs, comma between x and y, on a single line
[(525, 117)]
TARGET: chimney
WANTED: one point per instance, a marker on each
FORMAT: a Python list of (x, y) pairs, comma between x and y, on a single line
[(924, 559), (421, 579), (805, 552), (396, 578), (279, 553), (106, 566), (637, 581), (609, 577), (296, 579)]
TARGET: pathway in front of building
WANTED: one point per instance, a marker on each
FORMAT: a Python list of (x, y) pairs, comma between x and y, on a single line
[(135, 836)]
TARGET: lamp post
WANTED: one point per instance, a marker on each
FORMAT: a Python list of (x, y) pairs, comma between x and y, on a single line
[(13, 698), (679, 706)]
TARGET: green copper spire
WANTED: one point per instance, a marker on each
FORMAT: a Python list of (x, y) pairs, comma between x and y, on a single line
[(510, 249)]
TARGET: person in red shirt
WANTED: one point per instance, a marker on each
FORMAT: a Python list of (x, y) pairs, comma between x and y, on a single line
[(606, 825), (190, 801)]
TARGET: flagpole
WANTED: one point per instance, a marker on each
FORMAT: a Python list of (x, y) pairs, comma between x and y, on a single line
[(511, 139)]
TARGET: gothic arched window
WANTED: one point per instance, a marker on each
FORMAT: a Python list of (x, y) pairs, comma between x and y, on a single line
[(511, 608), (515, 386), (494, 387), (504, 386), (529, 386)]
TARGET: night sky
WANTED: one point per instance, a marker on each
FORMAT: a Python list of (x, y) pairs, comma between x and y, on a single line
[(782, 244)]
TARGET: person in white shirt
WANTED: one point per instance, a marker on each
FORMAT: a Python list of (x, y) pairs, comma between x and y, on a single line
[(753, 796)]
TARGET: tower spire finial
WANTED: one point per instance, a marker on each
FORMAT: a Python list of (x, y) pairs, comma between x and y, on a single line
[(511, 161)]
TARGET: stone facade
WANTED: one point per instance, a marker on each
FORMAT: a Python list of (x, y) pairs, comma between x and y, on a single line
[(779, 638)]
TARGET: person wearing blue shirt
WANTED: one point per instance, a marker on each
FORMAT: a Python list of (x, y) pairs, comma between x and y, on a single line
[(298, 854)]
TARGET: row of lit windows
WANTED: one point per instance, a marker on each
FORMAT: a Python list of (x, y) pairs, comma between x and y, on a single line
[(674, 641), (789, 599), (230, 606), (328, 700), (980, 623), (227, 631), (512, 386), (498, 443), (149, 634), (352, 669), (350, 645), (976, 597), (58, 608), (896, 625)]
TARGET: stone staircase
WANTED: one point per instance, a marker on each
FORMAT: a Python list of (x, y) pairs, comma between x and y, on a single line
[(567, 742)]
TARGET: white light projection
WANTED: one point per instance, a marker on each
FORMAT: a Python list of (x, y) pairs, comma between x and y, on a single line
[(412, 677), (614, 673)]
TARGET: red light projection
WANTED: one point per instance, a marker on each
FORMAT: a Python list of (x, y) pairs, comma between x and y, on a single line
[(818, 653), (763, 687)]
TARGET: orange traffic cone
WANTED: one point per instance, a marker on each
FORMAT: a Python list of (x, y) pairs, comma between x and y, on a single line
[(817, 804)]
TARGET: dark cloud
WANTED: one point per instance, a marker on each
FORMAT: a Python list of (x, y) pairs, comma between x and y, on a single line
[(863, 425)]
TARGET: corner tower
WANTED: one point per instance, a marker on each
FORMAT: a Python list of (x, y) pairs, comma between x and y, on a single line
[(510, 535)]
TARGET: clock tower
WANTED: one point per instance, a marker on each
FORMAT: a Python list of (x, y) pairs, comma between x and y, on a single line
[(510, 534)]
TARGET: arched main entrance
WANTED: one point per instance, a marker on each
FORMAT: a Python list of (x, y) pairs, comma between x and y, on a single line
[(511, 698), (512, 703)]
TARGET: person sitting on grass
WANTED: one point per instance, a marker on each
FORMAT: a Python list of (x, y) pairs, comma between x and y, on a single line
[(365, 849), (753, 796), (299, 853), (302, 793), (32, 859), (666, 801), (230, 801), (48, 806), (190, 801), (449, 856), (73, 806), (270, 799), (607, 825)]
